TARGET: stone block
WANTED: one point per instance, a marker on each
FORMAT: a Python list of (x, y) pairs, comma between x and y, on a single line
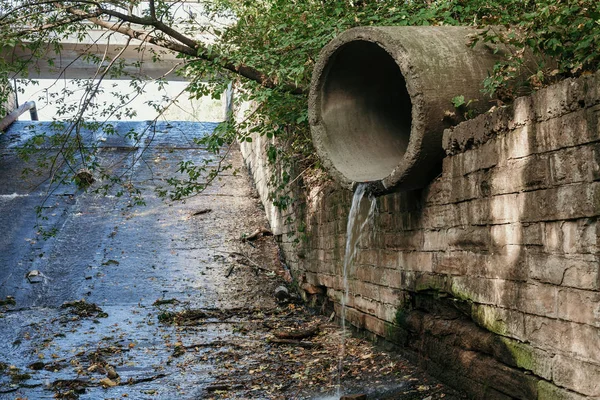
[(389, 295), (329, 281), (467, 187), (528, 298), (435, 240), (411, 240), (438, 192), (573, 129), (506, 263), (336, 297), (388, 259), (579, 306), (594, 166), (516, 143), (522, 112), (549, 391), (591, 88), (507, 208), (532, 234), (384, 221), (558, 99), (417, 282), (375, 325), (573, 165), (438, 217), (512, 382), (552, 236), (416, 261), (555, 335), (456, 263), (354, 317), (572, 271), (387, 312), (527, 357), (501, 321), (366, 273), (364, 289), (538, 299), (484, 157), (391, 278), (473, 238), (475, 132), (580, 236), (579, 376), (474, 212), (408, 221), (364, 305), (564, 202), (522, 174), (367, 257), (506, 234)]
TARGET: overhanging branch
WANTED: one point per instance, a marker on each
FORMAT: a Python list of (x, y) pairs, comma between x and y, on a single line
[(182, 44)]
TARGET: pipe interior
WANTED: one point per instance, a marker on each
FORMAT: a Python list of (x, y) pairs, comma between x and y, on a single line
[(366, 112)]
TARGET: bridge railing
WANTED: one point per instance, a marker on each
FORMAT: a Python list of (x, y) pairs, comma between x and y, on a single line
[(14, 116)]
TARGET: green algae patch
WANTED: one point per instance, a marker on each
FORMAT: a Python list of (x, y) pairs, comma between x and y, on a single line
[(488, 318)]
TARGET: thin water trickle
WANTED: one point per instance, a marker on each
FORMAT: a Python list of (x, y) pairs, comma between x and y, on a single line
[(356, 228)]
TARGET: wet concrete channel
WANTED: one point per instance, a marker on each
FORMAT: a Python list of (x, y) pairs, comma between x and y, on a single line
[(162, 301)]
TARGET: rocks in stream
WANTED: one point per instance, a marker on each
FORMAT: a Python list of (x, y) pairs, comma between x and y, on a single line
[(282, 293)]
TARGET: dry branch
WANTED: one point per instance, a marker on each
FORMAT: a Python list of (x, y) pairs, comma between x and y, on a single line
[(306, 345)]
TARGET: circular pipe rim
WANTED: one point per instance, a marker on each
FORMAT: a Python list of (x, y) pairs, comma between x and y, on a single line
[(414, 88)]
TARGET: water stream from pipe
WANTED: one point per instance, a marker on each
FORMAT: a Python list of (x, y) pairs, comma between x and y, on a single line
[(356, 229)]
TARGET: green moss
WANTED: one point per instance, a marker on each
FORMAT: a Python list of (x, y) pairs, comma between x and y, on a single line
[(460, 292), (548, 391), (522, 354), (401, 316), (429, 282), (487, 318), (396, 334)]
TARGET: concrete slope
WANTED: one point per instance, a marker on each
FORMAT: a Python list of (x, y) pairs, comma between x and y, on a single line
[(123, 259)]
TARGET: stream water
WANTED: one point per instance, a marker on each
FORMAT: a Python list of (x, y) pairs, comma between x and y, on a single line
[(359, 221)]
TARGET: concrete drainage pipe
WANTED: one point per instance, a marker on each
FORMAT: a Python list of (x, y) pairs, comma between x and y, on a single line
[(378, 98)]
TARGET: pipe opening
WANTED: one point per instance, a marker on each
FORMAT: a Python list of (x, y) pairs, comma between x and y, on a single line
[(366, 111)]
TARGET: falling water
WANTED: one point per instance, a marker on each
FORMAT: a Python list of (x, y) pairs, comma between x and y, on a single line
[(355, 231)]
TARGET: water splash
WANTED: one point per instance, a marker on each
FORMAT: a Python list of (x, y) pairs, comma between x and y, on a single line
[(355, 231)]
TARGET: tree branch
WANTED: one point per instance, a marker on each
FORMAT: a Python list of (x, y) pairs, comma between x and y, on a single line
[(186, 45)]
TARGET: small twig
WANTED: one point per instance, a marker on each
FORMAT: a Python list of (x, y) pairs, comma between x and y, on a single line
[(252, 262), (200, 212), (229, 270), (223, 386), (306, 345), (132, 381), (218, 343)]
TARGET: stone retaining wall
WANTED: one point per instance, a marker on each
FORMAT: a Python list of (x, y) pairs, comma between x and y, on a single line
[(490, 275)]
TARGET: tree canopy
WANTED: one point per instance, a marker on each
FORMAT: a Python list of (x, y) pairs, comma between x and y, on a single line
[(268, 48)]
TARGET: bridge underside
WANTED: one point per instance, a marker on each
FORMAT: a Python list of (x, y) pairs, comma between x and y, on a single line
[(74, 61)]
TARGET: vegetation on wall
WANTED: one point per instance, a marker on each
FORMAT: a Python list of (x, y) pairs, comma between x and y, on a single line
[(268, 48)]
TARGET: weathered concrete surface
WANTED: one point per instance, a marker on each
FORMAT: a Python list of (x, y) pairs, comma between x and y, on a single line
[(123, 259), (380, 100), (491, 274)]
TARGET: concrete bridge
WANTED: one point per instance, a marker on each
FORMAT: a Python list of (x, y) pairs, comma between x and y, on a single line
[(142, 59)]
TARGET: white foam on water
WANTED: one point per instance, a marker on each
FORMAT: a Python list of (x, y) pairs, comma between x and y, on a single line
[(12, 196)]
